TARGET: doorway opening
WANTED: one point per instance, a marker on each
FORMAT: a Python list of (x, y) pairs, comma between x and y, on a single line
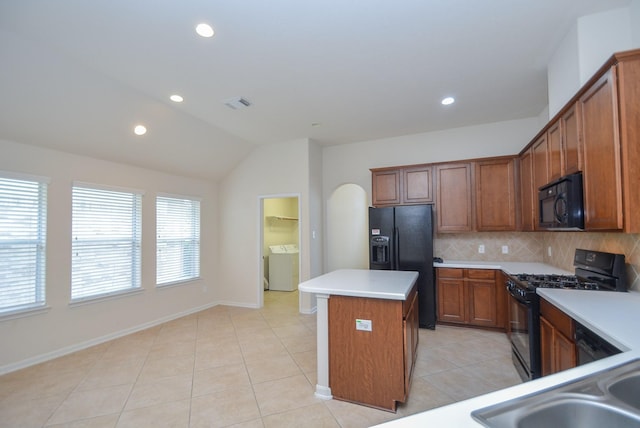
[(279, 245)]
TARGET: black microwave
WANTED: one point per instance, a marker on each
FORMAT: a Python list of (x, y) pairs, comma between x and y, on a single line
[(561, 204)]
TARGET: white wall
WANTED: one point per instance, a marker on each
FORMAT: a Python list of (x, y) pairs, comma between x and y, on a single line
[(268, 170), (634, 9), (62, 328), (599, 36), (586, 47), (315, 232), (563, 73)]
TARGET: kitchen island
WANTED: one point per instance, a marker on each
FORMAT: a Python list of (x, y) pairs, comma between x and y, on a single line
[(367, 333)]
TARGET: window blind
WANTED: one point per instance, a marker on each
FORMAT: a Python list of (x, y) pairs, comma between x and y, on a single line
[(178, 240), (23, 214), (106, 242)]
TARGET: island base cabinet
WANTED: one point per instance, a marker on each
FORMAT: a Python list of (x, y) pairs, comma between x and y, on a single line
[(372, 345)]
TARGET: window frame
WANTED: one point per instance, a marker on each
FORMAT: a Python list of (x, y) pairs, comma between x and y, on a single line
[(135, 240), (195, 238), (39, 286)]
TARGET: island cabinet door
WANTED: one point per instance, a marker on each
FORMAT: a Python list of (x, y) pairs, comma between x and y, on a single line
[(366, 351)]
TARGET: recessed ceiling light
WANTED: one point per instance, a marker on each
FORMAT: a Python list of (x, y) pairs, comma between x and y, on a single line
[(448, 101), (204, 30), (140, 130), (176, 98)]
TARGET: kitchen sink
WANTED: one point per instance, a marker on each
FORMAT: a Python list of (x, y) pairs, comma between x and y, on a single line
[(609, 398), (627, 390), (577, 412)]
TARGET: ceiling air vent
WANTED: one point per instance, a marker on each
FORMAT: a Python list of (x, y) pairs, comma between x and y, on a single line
[(237, 103)]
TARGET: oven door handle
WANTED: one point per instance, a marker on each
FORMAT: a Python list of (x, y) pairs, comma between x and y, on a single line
[(519, 299)]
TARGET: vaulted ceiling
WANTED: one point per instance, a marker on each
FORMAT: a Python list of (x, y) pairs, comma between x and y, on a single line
[(78, 75)]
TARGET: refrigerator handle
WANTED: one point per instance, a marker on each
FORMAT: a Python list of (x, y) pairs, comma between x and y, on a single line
[(396, 249)]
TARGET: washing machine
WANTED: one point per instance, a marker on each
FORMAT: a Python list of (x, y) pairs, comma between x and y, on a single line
[(283, 267)]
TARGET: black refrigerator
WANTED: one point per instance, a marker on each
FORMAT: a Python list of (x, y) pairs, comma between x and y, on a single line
[(401, 238)]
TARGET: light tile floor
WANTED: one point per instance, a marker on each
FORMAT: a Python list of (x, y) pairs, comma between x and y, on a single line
[(238, 367)]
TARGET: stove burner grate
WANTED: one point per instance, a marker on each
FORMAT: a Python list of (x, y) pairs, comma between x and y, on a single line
[(557, 281)]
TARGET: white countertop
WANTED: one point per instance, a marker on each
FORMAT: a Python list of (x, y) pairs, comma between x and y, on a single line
[(615, 316), (376, 284)]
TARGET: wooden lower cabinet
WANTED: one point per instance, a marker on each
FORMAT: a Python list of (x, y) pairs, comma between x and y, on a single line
[(557, 347), (450, 295), (481, 301), (470, 297), (373, 367)]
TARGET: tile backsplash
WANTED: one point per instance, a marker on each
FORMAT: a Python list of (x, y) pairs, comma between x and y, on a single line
[(522, 247), (534, 247)]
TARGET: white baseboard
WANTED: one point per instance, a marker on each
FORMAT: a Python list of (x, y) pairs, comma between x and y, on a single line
[(310, 311), (238, 304), (98, 340)]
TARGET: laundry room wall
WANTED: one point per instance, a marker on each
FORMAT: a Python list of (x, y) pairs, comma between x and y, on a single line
[(280, 222), (280, 225)]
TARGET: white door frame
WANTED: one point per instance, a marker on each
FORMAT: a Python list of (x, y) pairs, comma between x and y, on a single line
[(261, 254)]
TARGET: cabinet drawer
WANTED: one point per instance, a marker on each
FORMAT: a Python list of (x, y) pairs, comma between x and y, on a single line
[(450, 273), (561, 321), (481, 274)]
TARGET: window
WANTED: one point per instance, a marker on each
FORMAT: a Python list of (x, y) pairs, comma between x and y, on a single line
[(106, 242), (23, 214), (178, 240)]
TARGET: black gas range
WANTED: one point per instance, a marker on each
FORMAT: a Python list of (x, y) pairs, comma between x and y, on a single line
[(594, 270)]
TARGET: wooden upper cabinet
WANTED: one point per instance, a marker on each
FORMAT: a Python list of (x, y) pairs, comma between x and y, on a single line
[(386, 187), (495, 195), (417, 185), (599, 133), (602, 163), (564, 144), (402, 185), (628, 79), (527, 203), (540, 172), (454, 199), (555, 155), (540, 163), (571, 140)]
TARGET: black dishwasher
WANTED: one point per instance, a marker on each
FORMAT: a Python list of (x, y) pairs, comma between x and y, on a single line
[(592, 347)]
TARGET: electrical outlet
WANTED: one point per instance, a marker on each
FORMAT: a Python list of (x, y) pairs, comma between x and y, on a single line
[(505, 249), (481, 248), (549, 251)]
